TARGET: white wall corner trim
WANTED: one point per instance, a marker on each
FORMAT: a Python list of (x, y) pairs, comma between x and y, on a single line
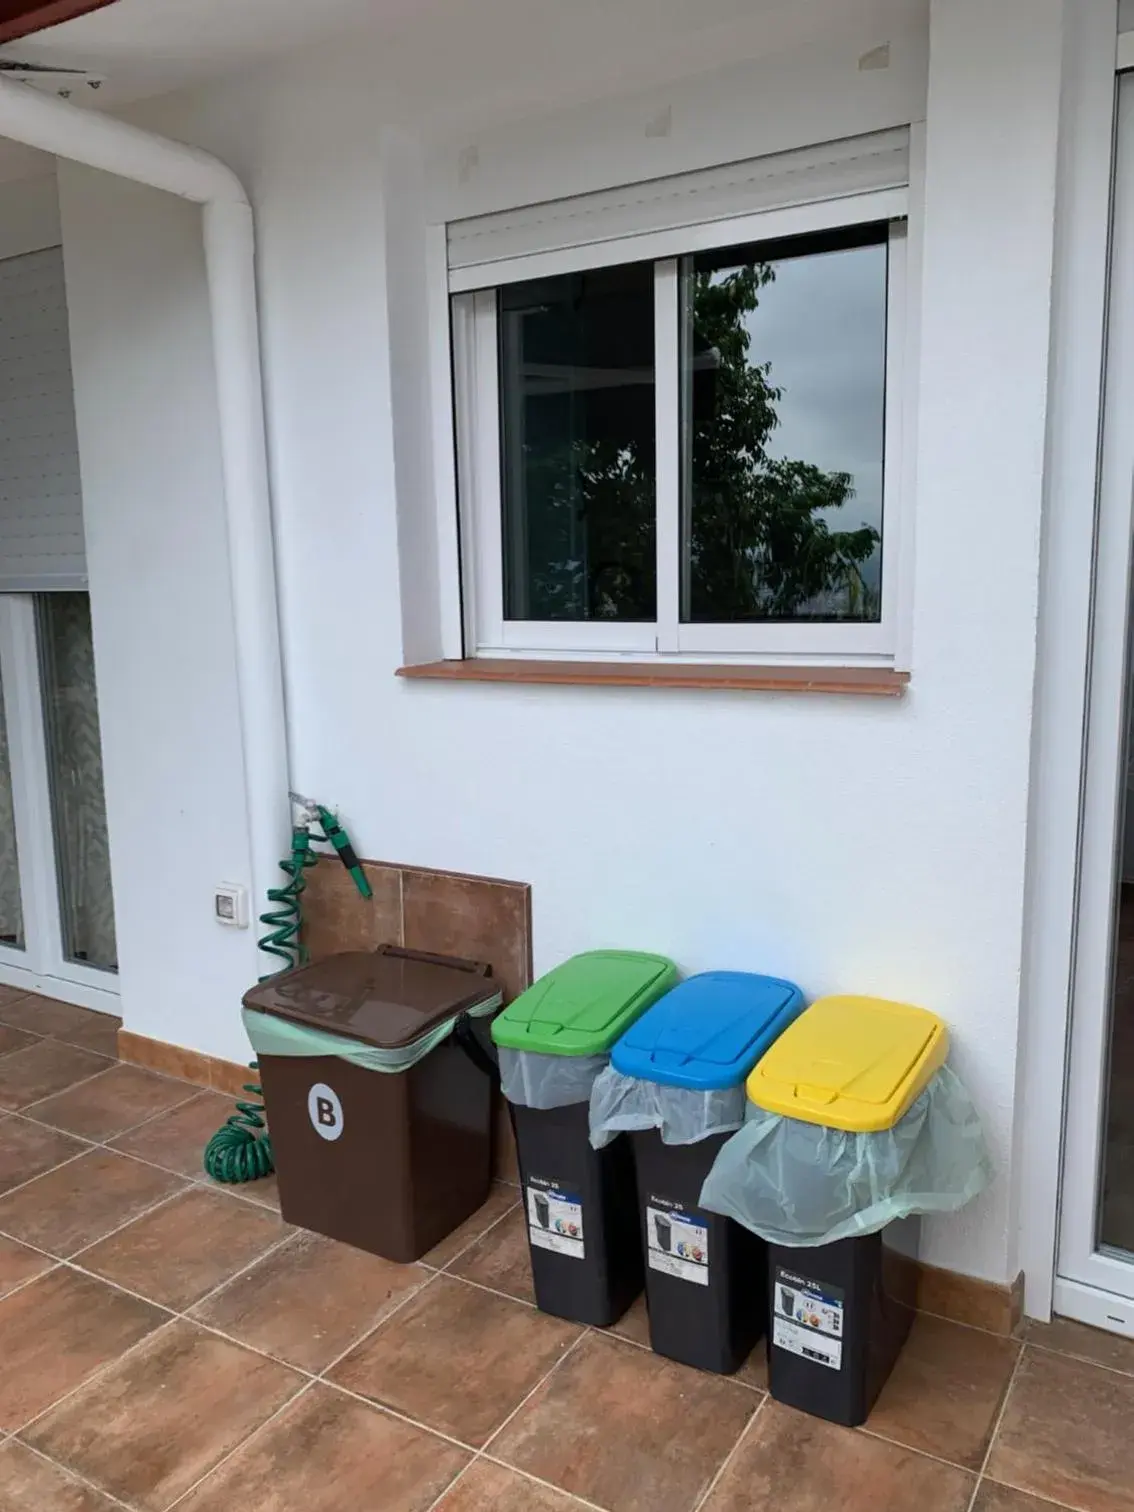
[(100, 141)]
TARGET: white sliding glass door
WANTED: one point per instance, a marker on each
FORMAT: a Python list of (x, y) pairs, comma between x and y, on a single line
[(56, 902), (1095, 1271)]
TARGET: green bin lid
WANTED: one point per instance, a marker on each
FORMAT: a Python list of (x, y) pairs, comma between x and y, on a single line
[(583, 1006)]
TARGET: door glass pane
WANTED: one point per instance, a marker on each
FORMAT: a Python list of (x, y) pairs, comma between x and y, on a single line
[(74, 755), (1116, 1207), (11, 909), (577, 452), (784, 386)]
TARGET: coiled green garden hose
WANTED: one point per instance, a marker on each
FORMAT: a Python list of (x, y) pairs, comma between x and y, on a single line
[(241, 1150)]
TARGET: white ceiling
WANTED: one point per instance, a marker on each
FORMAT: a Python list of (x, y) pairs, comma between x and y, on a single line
[(148, 47)]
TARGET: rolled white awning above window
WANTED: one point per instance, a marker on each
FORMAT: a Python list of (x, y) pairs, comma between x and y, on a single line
[(651, 219)]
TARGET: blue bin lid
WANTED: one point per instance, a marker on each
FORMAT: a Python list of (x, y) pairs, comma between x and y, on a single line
[(709, 1032)]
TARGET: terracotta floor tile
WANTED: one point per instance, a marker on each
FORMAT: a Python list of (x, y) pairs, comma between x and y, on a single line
[(64, 1021), (19, 1264), (48, 1066), (99, 1033), (490, 1488), (29, 1484), (14, 1039), (627, 1429), (111, 1103), (946, 1390), (1083, 1343), (789, 1462), (264, 1193), (177, 1140), (995, 1498), (28, 1150), (10, 995), (635, 1326), (82, 1201), (500, 1200), (328, 1453), (309, 1300), (152, 1425), (500, 1260), (456, 1359), (58, 1330), (186, 1248), (1066, 1434)]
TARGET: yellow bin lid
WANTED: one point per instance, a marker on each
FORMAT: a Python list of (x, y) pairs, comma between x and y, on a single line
[(855, 1063)]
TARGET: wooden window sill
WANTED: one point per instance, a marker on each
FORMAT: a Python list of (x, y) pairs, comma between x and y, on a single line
[(868, 682)]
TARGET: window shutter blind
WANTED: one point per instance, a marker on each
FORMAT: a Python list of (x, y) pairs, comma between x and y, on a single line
[(41, 511), (806, 175)]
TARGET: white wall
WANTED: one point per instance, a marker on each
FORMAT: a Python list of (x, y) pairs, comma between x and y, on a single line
[(849, 844), (162, 619)]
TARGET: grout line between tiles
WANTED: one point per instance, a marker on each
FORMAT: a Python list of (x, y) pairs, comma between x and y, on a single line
[(74, 1475), (575, 1501), (1079, 1359), (938, 1459), (585, 1333), (482, 1452), (990, 1333), (730, 1456), (274, 1248), (104, 1142), (992, 1437), (95, 1375), (82, 1081), (445, 1269), (402, 1417), (36, 1123), (31, 1280), (370, 1332), (491, 1290), (19, 1187), (236, 1449), (1040, 1501)]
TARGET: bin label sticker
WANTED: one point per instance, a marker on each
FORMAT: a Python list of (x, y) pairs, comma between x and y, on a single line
[(677, 1241), (555, 1218), (808, 1318), (325, 1111)]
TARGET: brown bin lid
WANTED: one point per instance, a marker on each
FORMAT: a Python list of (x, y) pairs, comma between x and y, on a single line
[(388, 998)]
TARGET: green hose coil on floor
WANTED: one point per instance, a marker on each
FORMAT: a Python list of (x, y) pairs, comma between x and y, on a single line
[(241, 1150)]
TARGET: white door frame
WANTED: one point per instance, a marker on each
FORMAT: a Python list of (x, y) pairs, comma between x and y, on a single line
[(42, 965), (1088, 1280), (1064, 630)]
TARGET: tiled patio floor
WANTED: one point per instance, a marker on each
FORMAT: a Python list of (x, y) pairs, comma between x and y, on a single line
[(165, 1343)]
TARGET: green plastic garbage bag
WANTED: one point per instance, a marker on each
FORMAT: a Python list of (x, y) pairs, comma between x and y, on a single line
[(800, 1184)]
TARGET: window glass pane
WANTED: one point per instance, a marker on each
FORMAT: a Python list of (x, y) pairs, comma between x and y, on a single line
[(577, 454), (784, 367), (74, 755), (11, 909)]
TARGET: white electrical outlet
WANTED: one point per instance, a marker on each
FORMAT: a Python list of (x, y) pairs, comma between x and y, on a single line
[(230, 905)]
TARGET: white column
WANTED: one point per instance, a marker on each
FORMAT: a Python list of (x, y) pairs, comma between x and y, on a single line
[(991, 154)]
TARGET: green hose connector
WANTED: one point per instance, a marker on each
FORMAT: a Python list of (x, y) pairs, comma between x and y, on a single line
[(241, 1150)]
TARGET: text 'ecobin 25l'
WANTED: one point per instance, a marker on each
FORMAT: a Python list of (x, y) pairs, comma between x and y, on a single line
[(579, 1202)]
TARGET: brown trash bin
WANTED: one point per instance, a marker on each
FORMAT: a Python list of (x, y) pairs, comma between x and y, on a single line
[(389, 1161)]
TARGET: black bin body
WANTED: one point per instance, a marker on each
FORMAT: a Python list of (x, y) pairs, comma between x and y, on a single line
[(568, 1185), (839, 1316), (707, 1307)]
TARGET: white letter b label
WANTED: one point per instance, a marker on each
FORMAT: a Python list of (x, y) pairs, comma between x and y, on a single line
[(325, 1111)]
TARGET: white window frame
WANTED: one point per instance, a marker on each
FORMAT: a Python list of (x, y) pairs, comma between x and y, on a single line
[(478, 458)]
